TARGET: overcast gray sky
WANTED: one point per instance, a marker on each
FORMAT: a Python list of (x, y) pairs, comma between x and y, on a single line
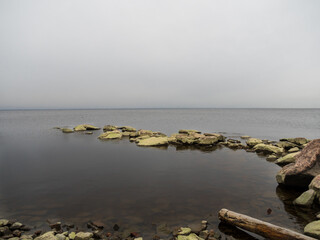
[(164, 53)]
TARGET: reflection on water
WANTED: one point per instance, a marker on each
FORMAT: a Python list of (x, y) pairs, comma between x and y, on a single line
[(45, 174)]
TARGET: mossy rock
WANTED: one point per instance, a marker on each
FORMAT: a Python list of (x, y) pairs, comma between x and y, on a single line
[(128, 129), (208, 140), (67, 130), (251, 142), (111, 135), (306, 199), (286, 145), (261, 147), (313, 229), (191, 236), (289, 158), (84, 127), (108, 128), (153, 141), (188, 131)]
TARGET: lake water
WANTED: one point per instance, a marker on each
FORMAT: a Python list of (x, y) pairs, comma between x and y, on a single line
[(45, 174)]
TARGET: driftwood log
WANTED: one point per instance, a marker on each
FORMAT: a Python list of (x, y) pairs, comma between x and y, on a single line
[(259, 227)]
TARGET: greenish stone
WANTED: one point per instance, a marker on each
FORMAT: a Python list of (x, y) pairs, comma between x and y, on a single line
[(46, 236), (83, 236), (3, 222), (108, 128), (72, 235), (188, 131), (128, 129), (251, 142), (111, 135), (184, 231), (67, 130), (289, 158), (292, 150), (153, 141), (60, 236), (261, 147), (84, 127), (305, 199), (191, 236), (313, 229), (208, 140)]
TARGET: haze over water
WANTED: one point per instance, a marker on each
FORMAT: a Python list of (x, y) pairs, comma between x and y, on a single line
[(75, 177)]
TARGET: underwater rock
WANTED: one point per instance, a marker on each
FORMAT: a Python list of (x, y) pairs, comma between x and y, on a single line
[(67, 130)]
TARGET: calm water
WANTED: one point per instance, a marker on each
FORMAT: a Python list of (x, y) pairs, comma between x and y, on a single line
[(75, 177)]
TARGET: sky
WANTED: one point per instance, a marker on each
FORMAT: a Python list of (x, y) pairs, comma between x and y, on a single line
[(159, 54)]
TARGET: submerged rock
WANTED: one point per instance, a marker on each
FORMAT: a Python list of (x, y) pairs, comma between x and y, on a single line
[(313, 229), (306, 167), (84, 127), (153, 141), (261, 147), (289, 158), (111, 135), (305, 199), (251, 142)]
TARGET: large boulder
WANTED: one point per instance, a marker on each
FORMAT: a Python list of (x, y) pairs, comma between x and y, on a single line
[(84, 127), (306, 167), (153, 141), (289, 158), (111, 135), (266, 148), (251, 142)]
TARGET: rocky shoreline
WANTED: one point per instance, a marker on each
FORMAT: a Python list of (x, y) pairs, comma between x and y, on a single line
[(13, 230)]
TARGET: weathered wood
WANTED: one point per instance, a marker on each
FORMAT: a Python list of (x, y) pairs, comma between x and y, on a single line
[(259, 227)]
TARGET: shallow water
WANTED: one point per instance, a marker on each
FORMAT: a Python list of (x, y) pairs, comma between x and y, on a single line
[(75, 177)]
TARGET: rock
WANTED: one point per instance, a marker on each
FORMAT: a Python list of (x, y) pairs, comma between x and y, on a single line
[(197, 227), (230, 140), (261, 147), (56, 226), (305, 199), (83, 236), (67, 130), (116, 227), (47, 236), (26, 237), (16, 225), (88, 133), (272, 157), (289, 158), (251, 142), (72, 235), (204, 234), (4, 231), (60, 237), (3, 222), (108, 128), (191, 236), (188, 131), (144, 132), (299, 140), (184, 231), (245, 137), (220, 137), (128, 129), (16, 233), (153, 141), (234, 145), (305, 168), (13, 238), (313, 229), (208, 140), (315, 183), (292, 150), (84, 127), (110, 135), (139, 238), (163, 229), (286, 145)]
